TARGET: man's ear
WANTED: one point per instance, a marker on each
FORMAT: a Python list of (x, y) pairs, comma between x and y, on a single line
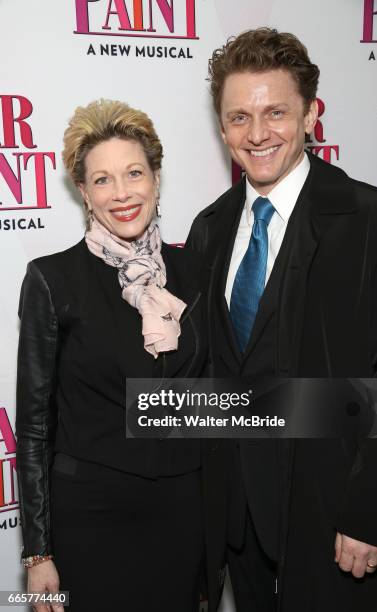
[(311, 117), (222, 132)]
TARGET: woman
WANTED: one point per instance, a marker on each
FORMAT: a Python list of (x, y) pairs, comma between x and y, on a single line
[(115, 522)]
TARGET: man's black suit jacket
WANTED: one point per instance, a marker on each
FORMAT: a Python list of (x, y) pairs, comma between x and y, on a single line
[(323, 292)]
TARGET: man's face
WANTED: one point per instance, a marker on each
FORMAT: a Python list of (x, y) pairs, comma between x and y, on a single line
[(263, 122)]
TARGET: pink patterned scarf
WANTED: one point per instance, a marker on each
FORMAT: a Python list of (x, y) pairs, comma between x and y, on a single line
[(142, 277)]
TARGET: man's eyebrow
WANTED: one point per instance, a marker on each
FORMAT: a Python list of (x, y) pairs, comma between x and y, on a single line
[(243, 111), (276, 105), (237, 110)]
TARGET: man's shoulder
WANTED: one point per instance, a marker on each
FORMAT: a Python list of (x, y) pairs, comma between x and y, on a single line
[(365, 189), (366, 198), (366, 194), (227, 197), (214, 216), (331, 185), (334, 171)]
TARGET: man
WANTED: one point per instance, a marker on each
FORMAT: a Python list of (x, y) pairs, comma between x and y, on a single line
[(293, 293)]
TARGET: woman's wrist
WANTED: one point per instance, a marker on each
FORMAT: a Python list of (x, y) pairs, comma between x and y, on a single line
[(33, 560)]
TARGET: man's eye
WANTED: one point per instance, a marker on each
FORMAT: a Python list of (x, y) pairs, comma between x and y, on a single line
[(239, 118), (276, 114), (102, 180)]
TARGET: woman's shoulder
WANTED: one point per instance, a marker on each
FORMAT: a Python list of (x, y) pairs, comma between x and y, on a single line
[(61, 258), (55, 269)]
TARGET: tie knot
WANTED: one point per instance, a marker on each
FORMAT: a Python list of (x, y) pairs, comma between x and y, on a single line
[(263, 210)]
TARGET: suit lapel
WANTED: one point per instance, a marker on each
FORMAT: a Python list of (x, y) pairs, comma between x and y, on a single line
[(288, 273), (324, 197), (229, 217), (227, 227), (286, 285), (301, 245), (268, 302), (230, 227)]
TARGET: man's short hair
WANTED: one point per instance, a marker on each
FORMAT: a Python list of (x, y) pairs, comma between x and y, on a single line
[(260, 50)]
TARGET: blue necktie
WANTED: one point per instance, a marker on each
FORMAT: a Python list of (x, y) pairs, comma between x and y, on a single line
[(249, 282)]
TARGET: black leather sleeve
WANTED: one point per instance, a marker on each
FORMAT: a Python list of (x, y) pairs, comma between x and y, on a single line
[(36, 416)]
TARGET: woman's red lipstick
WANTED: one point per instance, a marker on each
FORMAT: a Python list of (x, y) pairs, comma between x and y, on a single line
[(126, 218)]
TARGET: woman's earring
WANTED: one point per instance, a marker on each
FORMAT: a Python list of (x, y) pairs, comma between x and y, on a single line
[(158, 207), (89, 218)]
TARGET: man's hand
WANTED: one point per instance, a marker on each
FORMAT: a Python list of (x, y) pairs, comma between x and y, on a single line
[(354, 556)]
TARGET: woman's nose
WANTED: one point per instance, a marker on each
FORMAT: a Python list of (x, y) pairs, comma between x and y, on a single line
[(121, 191)]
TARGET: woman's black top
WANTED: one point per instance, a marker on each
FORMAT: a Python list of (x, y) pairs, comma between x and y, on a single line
[(79, 341)]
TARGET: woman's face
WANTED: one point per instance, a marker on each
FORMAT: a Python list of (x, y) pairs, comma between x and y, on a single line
[(120, 187)]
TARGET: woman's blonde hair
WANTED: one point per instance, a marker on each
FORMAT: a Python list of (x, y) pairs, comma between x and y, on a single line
[(100, 121)]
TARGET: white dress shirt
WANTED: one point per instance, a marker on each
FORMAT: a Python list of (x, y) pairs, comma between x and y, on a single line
[(283, 197)]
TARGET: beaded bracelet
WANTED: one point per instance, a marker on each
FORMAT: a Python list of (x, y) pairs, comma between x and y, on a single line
[(35, 560)]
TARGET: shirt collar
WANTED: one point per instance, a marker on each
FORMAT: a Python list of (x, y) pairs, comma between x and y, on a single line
[(284, 196)]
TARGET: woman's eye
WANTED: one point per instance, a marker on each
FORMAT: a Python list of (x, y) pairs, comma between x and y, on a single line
[(135, 173), (102, 180)]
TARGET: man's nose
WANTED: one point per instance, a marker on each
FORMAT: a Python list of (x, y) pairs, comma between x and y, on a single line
[(259, 131)]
